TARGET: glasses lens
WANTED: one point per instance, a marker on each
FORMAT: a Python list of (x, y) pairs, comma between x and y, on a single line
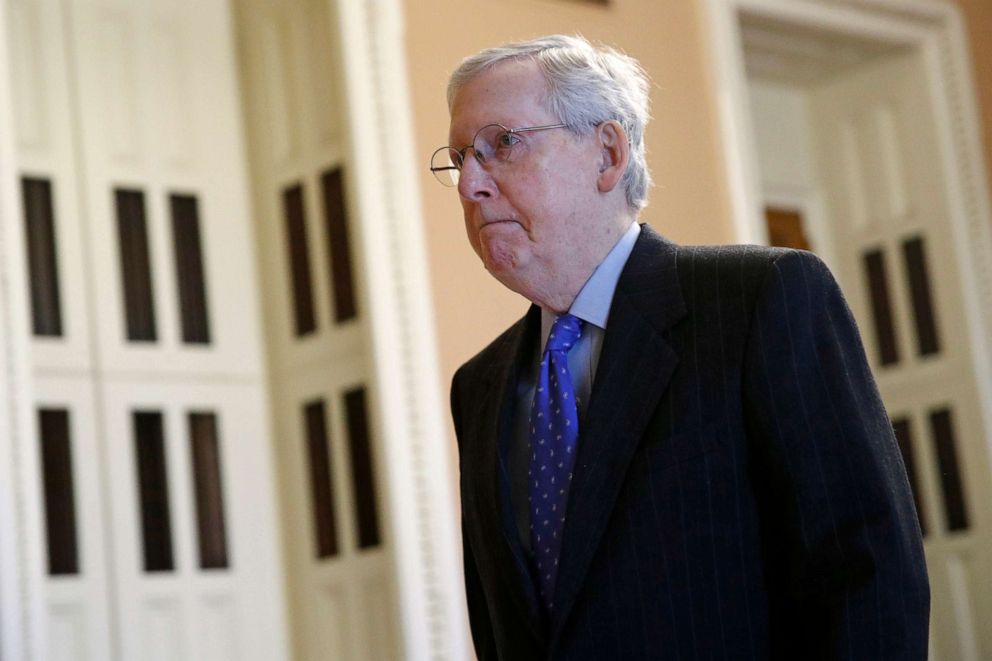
[(494, 143), (443, 166)]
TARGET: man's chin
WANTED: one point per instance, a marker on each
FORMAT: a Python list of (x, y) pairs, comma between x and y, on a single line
[(499, 257), (503, 266), (500, 268)]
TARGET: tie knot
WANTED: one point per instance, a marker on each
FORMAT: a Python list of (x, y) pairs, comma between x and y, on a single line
[(565, 332)]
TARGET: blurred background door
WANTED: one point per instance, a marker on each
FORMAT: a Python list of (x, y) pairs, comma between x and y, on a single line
[(159, 502), (852, 168)]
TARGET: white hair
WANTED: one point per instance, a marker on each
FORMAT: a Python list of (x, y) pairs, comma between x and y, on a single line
[(587, 85)]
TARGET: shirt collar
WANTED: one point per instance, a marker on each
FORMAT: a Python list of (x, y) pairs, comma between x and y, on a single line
[(592, 305)]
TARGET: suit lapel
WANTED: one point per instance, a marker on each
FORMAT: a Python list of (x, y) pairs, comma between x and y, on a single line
[(633, 371), (491, 491)]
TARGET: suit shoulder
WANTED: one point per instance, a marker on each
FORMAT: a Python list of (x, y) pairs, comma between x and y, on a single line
[(750, 264), (740, 256), (739, 275)]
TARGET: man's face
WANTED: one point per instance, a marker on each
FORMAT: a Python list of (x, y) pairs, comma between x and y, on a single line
[(527, 218)]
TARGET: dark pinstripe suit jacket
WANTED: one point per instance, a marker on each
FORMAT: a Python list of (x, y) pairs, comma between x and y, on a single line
[(738, 492)]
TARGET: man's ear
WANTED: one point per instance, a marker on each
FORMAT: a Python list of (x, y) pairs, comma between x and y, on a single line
[(614, 154)]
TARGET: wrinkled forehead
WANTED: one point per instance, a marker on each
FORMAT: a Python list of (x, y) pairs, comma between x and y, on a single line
[(513, 94)]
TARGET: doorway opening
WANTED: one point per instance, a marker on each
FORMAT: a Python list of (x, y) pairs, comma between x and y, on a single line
[(845, 135)]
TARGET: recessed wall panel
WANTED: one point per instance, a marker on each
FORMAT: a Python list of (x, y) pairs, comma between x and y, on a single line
[(66, 633), (135, 263), (951, 480), (960, 582), (30, 85), (173, 91), (217, 625), (162, 634), (321, 479), (902, 427), (892, 159), (339, 245), (918, 276), (190, 276), (298, 248), (42, 256), (119, 84), (323, 71), (153, 491), (854, 180), (59, 486), (278, 87), (377, 606), (362, 468), (208, 490), (877, 278), (335, 618)]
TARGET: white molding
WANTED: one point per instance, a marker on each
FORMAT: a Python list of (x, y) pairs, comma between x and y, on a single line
[(20, 489), (922, 10), (937, 29), (860, 18), (959, 132), (739, 149), (392, 246)]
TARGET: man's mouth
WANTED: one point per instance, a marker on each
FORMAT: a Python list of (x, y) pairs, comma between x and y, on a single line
[(501, 221)]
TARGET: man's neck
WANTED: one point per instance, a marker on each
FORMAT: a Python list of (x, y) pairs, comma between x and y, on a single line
[(566, 283)]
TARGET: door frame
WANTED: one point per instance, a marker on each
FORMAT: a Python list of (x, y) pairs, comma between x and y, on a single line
[(409, 403), (21, 532), (937, 31)]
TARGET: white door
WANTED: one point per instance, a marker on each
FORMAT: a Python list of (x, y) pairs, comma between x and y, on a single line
[(158, 484), (76, 601), (887, 209), (340, 542)]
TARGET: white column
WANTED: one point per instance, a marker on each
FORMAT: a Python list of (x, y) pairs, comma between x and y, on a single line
[(21, 558), (391, 236)]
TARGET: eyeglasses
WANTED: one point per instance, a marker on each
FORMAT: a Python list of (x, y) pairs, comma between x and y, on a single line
[(492, 143)]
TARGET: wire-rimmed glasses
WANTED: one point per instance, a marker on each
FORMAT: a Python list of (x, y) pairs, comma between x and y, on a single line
[(492, 143)]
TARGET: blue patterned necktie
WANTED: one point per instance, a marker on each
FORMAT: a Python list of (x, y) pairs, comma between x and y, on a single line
[(554, 430)]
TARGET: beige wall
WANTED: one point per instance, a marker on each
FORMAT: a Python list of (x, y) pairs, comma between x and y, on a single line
[(689, 202), (978, 17)]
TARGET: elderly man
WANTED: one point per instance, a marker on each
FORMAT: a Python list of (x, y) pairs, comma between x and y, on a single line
[(677, 453)]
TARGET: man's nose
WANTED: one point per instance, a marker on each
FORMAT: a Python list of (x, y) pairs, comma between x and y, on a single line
[(475, 182)]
